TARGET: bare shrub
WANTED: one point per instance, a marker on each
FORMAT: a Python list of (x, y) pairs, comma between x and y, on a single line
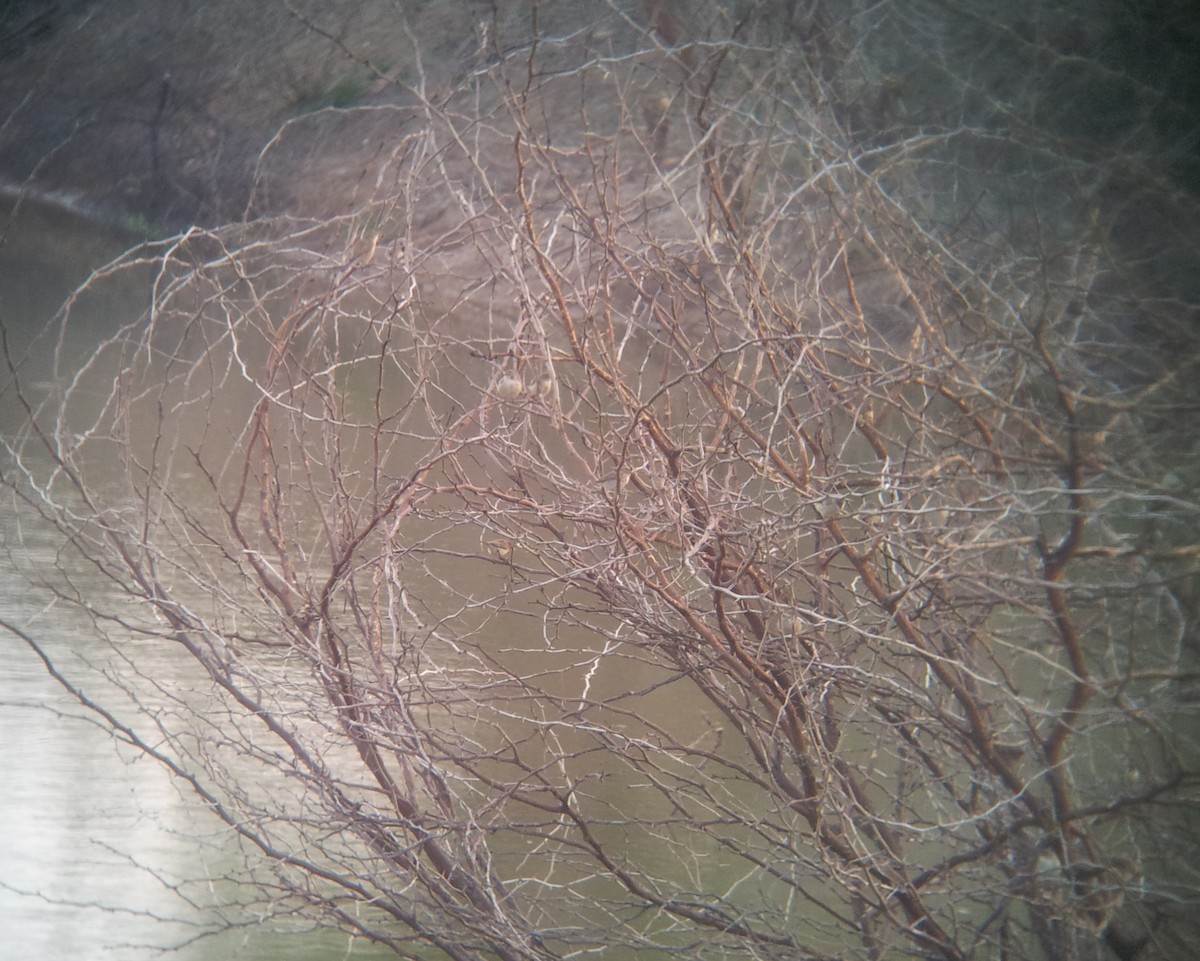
[(725, 493)]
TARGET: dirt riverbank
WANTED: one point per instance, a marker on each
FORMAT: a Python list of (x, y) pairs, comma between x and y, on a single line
[(156, 116)]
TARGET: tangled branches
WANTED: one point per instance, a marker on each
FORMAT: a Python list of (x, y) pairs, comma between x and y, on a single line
[(716, 497)]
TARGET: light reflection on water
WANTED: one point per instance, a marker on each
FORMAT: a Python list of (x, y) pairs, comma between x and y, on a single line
[(102, 855), (88, 822), (75, 816)]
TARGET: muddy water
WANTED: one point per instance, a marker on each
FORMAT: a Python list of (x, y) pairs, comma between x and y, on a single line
[(101, 853), (94, 841)]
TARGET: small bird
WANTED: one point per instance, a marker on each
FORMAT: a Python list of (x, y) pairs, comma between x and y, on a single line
[(545, 385), (502, 547), (509, 388)]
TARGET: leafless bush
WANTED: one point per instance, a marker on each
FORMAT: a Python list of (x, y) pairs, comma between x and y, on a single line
[(726, 494)]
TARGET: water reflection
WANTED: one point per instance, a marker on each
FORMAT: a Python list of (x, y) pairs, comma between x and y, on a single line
[(102, 855), (76, 818), (519, 689)]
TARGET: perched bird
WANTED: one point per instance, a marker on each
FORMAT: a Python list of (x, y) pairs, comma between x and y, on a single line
[(544, 386), (509, 388), (502, 547)]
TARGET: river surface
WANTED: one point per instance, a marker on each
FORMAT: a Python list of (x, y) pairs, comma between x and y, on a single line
[(102, 854), (94, 840)]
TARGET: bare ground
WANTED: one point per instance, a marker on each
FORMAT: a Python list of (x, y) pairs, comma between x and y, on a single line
[(156, 116)]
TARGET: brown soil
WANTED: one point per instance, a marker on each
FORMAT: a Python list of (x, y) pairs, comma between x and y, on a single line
[(158, 115)]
